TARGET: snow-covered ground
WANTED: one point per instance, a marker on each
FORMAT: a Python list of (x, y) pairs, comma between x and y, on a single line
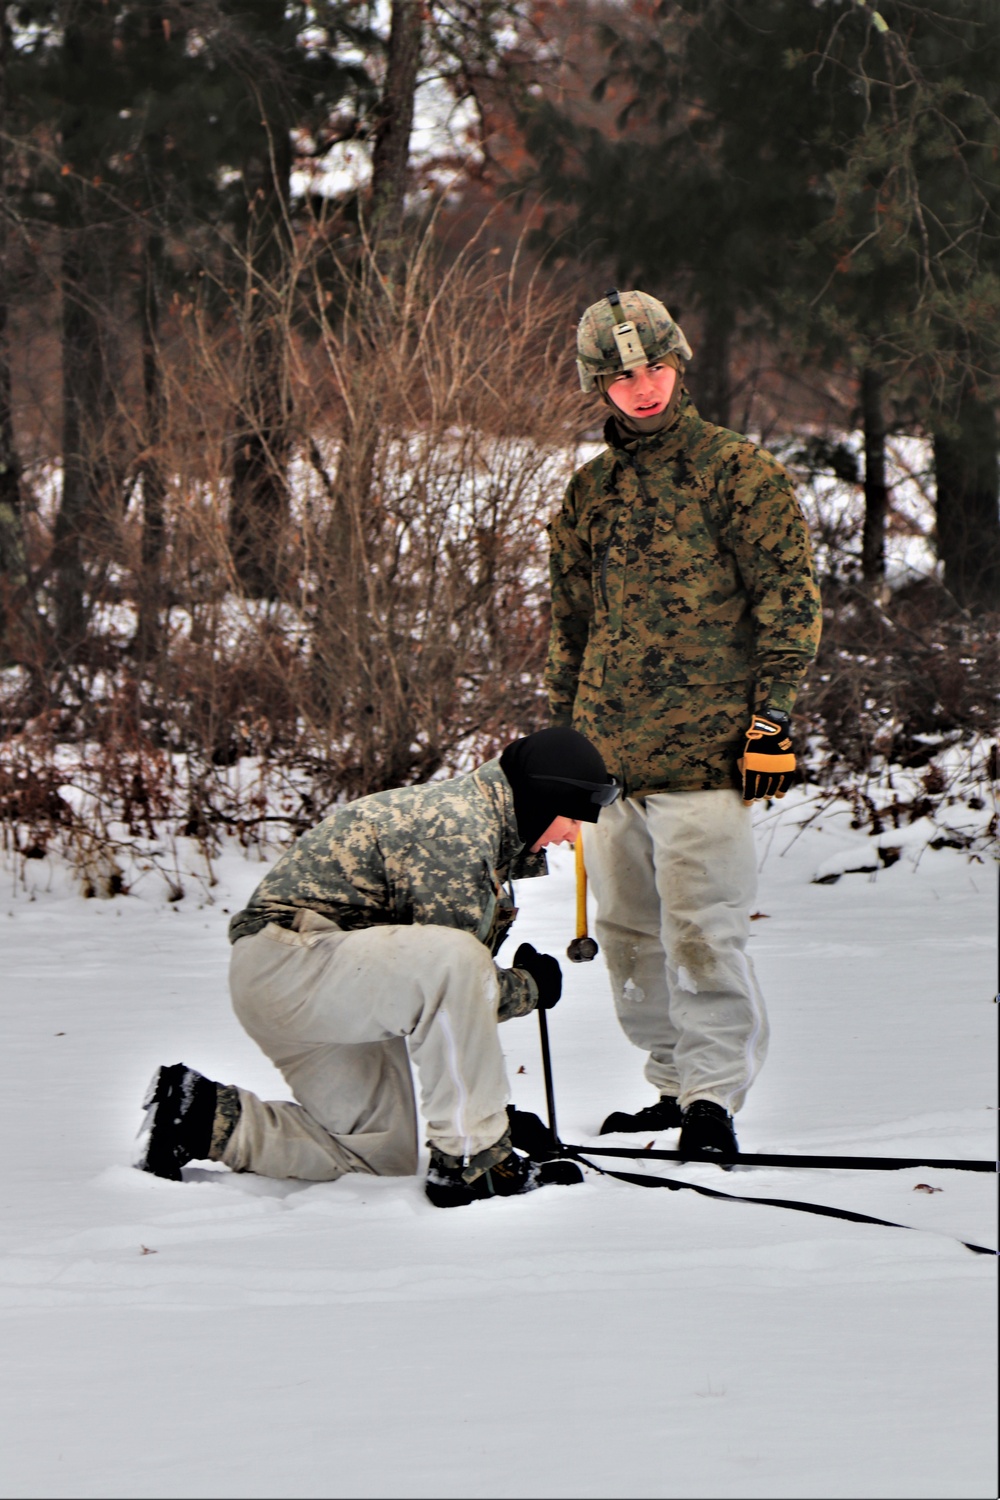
[(232, 1336)]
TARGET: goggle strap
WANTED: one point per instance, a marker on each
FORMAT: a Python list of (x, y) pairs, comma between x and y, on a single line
[(602, 793)]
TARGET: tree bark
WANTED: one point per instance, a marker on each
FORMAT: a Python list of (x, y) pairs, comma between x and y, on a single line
[(13, 559), (876, 492), (150, 589), (94, 251), (355, 658), (710, 383), (79, 340), (391, 150), (261, 441), (968, 488), (90, 504)]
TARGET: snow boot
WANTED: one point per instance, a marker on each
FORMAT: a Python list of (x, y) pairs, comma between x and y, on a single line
[(707, 1133), (447, 1188), (180, 1113), (665, 1114)]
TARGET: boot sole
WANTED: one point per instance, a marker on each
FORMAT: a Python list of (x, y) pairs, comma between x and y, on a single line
[(542, 1174), (457, 1194), (613, 1125)]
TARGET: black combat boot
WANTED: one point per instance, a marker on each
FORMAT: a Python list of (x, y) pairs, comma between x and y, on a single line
[(707, 1133), (665, 1114), (180, 1112), (447, 1188)]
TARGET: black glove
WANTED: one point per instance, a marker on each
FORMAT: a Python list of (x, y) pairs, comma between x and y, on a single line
[(767, 764), (544, 970), (529, 1134)]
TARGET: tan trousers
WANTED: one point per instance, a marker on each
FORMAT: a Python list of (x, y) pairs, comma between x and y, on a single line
[(674, 878), (342, 1014)]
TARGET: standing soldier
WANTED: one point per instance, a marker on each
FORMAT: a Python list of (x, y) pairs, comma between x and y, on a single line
[(685, 613), (370, 945)]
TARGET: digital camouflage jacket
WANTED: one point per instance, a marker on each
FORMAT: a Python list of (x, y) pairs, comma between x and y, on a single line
[(683, 596), (435, 855)]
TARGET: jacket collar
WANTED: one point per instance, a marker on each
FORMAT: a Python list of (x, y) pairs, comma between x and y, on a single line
[(515, 861)]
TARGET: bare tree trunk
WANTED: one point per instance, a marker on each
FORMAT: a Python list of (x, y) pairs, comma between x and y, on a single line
[(261, 442), (968, 485), (150, 590), (13, 560), (876, 493), (94, 251), (710, 372), (391, 150), (91, 488), (80, 371), (259, 508), (356, 652), (353, 651)]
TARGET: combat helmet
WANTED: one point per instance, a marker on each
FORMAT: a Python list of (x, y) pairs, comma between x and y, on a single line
[(622, 331)]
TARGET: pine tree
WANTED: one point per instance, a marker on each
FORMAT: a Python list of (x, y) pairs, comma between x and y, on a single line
[(906, 262), (826, 173), (13, 561), (289, 58), (159, 136)]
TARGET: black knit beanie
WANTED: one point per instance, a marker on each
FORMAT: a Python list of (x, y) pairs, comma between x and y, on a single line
[(544, 770)]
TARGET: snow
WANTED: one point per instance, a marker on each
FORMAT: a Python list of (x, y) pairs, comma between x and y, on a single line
[(835, 507), (233, 1336)]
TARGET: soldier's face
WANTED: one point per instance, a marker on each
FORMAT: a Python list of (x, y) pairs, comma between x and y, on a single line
[(643, 392), (559, 831)]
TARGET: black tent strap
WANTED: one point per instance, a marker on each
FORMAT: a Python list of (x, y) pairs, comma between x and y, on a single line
[(772, 1159), (640, 1180)]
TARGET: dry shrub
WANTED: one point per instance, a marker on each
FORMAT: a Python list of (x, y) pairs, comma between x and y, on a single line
[(900, 713), (901, 710), (95, 803), (427, 602), (431, 419), (900, 681), (31, 807)]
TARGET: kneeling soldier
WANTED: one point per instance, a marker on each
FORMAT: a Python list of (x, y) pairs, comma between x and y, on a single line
[(369, 945)]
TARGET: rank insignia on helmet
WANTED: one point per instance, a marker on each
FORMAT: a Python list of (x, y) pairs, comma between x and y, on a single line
[(622, 331)]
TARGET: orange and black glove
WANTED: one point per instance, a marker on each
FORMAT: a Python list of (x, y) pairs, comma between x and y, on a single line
[(767, 764)]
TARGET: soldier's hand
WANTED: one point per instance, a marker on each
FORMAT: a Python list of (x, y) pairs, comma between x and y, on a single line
[(528, 1134), (544, 970), (768, 760)]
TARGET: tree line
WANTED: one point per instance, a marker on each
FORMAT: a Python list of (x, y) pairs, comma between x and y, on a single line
[(826, 175), (258, 426)]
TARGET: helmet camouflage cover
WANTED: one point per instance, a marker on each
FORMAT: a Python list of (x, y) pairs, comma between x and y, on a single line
[(622, 331)]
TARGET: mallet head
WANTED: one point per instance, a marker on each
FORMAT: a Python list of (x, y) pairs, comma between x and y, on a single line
[(581, 950)]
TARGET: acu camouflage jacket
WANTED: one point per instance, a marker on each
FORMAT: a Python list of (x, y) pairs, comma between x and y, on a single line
[(435, 855), (683, 595)]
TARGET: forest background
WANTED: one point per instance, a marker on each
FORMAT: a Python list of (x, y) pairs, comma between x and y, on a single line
[(287, 303)]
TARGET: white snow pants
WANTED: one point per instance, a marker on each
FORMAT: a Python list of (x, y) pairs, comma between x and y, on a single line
[(674, 877), (341, 1014)]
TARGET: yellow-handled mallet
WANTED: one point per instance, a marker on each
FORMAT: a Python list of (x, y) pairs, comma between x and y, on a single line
[(583, 947)]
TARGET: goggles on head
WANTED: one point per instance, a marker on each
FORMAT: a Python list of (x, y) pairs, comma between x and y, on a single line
[(602, 794)]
